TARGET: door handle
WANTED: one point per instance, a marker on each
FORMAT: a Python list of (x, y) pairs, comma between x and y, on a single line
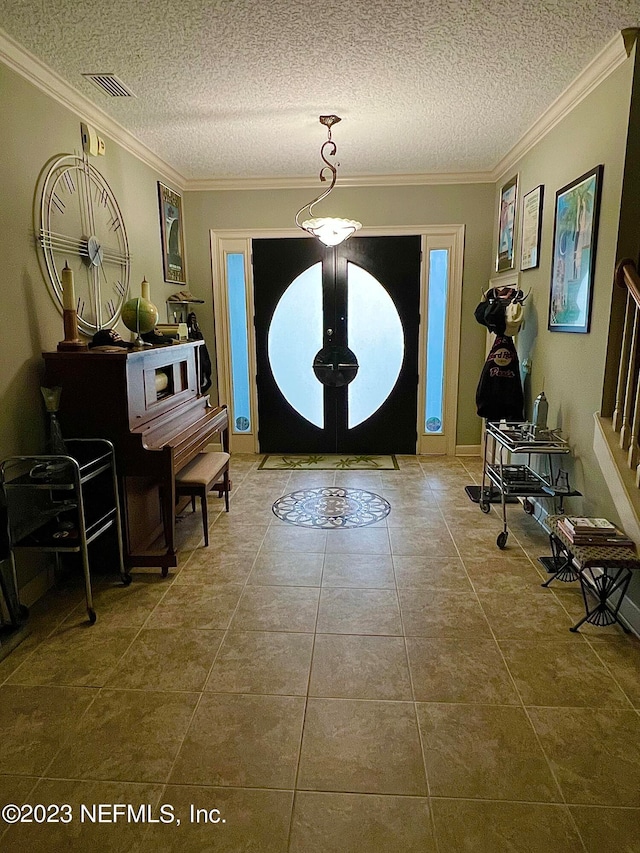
[(338, 366), (328, 368)]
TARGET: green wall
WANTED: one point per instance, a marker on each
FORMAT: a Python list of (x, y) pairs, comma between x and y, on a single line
[(453, 204), (37, 128), (34, 130), (569, 366)]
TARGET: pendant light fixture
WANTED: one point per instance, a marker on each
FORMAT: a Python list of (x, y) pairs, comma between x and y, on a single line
[(329, 230)]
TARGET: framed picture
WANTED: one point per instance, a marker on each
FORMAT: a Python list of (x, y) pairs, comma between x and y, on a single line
[(506, 225), (172, 234), (575, 232), (531, 228)]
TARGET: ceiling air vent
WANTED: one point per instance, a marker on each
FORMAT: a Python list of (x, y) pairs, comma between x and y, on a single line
[(110, 84)]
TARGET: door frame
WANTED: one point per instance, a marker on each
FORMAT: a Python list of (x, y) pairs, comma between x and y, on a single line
[(451, 237)]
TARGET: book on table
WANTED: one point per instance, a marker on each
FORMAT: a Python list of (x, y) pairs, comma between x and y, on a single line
[(589, 526), (610, 537)]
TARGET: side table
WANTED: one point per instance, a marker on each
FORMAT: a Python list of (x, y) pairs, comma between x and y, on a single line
[(603, 571)]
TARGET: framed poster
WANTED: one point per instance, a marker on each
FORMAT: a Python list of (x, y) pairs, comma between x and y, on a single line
[(506, 225), (531, 228), (172, 234), (575, 233)]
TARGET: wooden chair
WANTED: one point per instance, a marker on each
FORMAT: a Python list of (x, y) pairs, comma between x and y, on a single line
[(198, 478)]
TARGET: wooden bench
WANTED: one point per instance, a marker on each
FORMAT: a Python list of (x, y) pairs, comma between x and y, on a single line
[(198, 478)]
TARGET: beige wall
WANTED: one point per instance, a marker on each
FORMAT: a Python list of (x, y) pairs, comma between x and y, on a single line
[(571, 366), (34, 130), (470, 204)]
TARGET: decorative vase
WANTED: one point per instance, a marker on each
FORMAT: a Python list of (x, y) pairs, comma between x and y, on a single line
[(51, 398)]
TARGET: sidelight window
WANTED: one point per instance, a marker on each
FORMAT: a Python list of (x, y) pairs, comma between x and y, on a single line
[(236, 295), (435, 350)]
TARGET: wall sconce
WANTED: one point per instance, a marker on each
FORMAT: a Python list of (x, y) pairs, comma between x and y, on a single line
[(329, 230)]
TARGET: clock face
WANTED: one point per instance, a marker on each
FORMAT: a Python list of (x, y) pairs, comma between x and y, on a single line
[(81, 225)]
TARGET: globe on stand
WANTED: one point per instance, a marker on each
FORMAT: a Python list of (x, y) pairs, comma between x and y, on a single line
[(139, 316)]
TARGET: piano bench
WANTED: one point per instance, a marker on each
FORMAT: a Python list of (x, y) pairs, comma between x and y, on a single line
[(198, 478)]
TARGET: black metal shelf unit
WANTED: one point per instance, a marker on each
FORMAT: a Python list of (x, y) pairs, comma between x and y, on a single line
[(520, 480), (62, 503)]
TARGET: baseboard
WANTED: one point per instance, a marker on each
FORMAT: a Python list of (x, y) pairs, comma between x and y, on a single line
[(36, 587), (630, 615), (468, 449)]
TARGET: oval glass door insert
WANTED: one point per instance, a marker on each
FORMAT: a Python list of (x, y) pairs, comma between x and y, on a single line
[(295, 335), (376, 336)]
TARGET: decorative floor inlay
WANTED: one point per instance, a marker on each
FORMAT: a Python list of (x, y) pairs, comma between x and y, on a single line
[(331, 508), (329, 462)]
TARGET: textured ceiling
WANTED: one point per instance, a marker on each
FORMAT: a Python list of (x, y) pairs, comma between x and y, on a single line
[(234, 88)]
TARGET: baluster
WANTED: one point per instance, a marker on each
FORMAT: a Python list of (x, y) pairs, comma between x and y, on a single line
[(633, 455), (623, 367), (629, 395)]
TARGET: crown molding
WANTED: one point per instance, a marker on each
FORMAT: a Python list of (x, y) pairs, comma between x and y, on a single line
[(366, 231), (610, 57), (309, 182), (40, 75)]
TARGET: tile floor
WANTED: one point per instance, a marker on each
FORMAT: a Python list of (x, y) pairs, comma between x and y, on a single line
[(403, 687)]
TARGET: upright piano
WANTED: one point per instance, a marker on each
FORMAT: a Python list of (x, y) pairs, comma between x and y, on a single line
[(147, 402)]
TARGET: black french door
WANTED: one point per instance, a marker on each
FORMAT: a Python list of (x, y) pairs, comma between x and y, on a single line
[(337, 344)]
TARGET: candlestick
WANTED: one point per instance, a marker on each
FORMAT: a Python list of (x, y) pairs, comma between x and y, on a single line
[(68, 293), (71, 340), (145, 290)]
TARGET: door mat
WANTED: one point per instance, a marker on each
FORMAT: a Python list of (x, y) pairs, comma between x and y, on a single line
[(331, 508), (329, 462)]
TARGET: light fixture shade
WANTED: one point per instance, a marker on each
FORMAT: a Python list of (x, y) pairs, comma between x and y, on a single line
[(331, 230), (328, 229)]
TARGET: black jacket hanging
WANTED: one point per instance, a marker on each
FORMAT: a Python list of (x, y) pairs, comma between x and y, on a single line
[(499, 393)]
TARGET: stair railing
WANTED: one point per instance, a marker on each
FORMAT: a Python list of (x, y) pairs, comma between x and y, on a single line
[(626, 413)]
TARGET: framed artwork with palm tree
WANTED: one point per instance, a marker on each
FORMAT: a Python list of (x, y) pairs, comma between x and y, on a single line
[(575, 234)]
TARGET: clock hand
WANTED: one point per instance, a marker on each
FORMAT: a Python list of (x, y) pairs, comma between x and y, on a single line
[(96, 295), (101, 265)]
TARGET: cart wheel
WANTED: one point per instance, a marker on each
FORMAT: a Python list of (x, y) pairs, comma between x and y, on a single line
[(501, 541), (126, 579), (485, 506), (23, 611), (165, 571), (528, 506), (92, 615)]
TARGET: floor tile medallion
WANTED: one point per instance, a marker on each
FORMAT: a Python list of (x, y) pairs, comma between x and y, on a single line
[(331, 508)]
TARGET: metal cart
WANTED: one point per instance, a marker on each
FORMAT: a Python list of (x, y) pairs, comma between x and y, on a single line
[(521, 481), (62, 503)]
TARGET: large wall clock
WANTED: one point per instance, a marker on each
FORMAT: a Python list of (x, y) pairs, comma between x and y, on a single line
[(81, 224)]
